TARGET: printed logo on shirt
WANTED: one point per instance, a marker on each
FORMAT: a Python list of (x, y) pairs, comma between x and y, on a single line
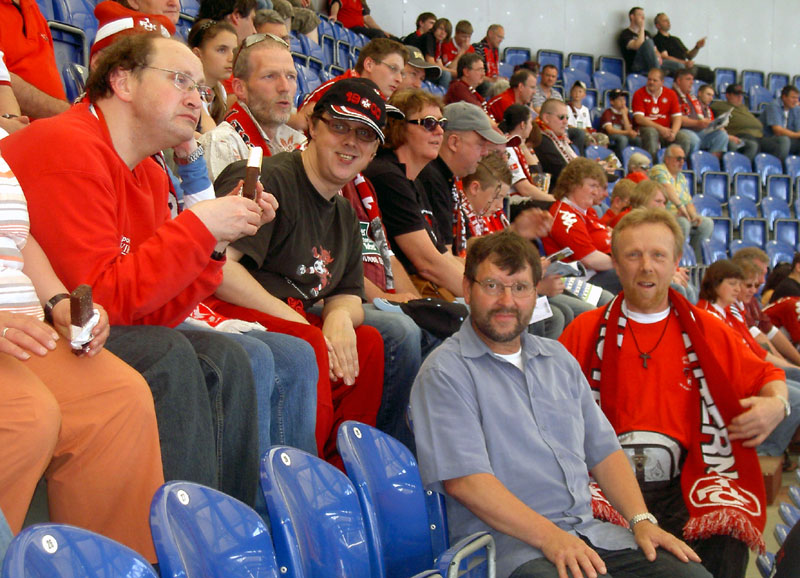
[(125, 245), (319, 267), (568, 219)]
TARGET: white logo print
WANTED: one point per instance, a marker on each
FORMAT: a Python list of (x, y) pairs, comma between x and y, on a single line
[(568, 219)]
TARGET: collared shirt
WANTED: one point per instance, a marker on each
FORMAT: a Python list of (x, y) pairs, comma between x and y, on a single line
[(775, 114), (537, 431), (660, 108), (661, 174)]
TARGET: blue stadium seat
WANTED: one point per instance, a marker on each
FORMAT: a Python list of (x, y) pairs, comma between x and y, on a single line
[(753, 231), (70, 47), (74, 77), (571, 75), (46, 8), (190, 7), (723, 76), (765, 564), (581, 61), (766, 164), (747, 185), (740, 208), (715, 185), (613, 64), (62, 551), (634, 82), (334, 70), (344, 57), (505, 69), (696, 86), (605, 81), (514, 55), (796, 80), (703, 161), (545, 56), (733, 162), (776, 81), (751, 78), (773, 208), (723, 231), (759, 95), (707, 206), (739, 244), (80, 14), (688, 258), (628, 151), (780, 532), (794, 495), (591, 99), (394, 503), (691, 180), (779, 252), (792, 166), (787, 231), (198, 531), (595, 152), (713, 250), (789, 514), (668, 81), (780, 187)]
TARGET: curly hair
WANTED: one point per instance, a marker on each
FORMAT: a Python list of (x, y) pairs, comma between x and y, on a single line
[(573, 175), (409, 101)]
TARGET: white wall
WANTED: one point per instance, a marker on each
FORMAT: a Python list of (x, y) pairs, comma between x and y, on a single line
[(741, 33)]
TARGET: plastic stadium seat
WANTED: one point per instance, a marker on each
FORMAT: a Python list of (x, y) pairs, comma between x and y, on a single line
[(628, 151), (343, 55), (77, 13), (514, 55), (184, 26), (715, 185), (780, 532), (723, 230), (691, 180), (506, 69), (581, 61), (733, 162), (792, 166), (747, 185), (778, 252), (200, 532), (739, 244), (739, 208), (605, 81), (789, 514), (796, 80), (766, 164), (724, 76), (752, 78), (753, 231), (713, 251), (613, 64), (779, 187), (190, 7), (787, 231), (46, 8), (688, 258), (703, 161), (554, 57), (668, 81), (334, 70), (759, 95), (591, 99), (595, 152), (765, 564), (69, 45), (634, 82), (571, 75), (393, 501), (62, 551), (696, 86), (773, 208), (794, 494), (776, 81), (707, 206), (317, 526), (307, 79), (74, 77)]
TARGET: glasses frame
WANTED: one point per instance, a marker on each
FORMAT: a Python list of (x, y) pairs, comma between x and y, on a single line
[(523, 289), (328, 122), (393, 68), (429, 123), (178, 78)]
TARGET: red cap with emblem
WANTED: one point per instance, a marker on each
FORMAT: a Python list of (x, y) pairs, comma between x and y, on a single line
[(114, 19)]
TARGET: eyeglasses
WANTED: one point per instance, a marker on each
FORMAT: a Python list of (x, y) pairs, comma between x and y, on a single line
[(186, 83), (494, 288), (429, 123), (395, 69), (363, 133)]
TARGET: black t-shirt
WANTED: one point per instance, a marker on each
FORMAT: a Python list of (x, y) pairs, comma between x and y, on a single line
[(551, 159), (427, 44), (436, 179), (672, 44), (403, 204), (312, 249), (622, 41), (786, 288)]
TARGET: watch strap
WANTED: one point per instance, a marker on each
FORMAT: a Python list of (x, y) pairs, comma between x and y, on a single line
[(51, 303), (641, 518)]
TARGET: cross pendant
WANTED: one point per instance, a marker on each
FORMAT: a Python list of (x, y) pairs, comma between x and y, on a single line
[(645, 357)]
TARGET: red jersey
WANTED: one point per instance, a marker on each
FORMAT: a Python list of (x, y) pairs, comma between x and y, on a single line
[(581, 232), (733, 318), (610, 218), (660, 108), (498, 105), (785, 313), (351, 12), (450, 51)]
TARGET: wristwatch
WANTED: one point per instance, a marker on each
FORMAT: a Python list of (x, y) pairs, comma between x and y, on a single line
[(193, 156), (787, 409), (641, 518)]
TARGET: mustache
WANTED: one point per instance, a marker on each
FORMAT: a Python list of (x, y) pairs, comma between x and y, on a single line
[(511, 310)]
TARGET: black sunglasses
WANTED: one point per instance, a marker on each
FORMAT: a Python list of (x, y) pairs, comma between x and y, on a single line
[(429, 123)]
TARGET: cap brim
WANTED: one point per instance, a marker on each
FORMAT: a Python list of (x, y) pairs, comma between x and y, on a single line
[(355, 115), (493, 136), (432, 72), (394, 112)]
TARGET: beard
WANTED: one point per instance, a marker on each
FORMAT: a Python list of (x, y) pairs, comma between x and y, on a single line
[(267, 115), (483, 323)]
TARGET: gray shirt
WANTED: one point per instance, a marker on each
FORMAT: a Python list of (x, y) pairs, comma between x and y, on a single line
[(539, 433), (539, 97)]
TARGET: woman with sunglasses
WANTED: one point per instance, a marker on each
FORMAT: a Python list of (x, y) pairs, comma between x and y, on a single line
[(411, 143), (214, 43)]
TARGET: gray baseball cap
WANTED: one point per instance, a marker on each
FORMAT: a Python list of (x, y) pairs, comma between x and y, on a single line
[(464, 116)]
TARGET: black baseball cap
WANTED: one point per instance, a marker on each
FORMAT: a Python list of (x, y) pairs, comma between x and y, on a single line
[(356, 99), (734, 89)]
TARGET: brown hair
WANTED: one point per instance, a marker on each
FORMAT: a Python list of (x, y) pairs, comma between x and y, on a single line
[(492, 168), (131, 52), (464, 27), (716, 273), (573, 175), (447, 25), (643, 192), (241, 64), (645, 216), (623, 189), (379, 48), (507, 250), (409, 101)]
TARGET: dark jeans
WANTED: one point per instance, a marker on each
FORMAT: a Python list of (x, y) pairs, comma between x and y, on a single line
[(622, 564), (204, 399)]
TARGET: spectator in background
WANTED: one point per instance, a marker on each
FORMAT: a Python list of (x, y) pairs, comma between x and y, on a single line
[(696, 228), (636, 45), (705, 96), (431, 44), (638, 167), (743, 124), (580, 121), (355, 15), (518, 122), (554, 150), (214, 43), (776, 276), (674, 54), (459, 44), (27, 47), (239, 13), (425, 22), (695, 119), (417, 70), (617, 123), (471, 72), (545, 91), (522, 87), (489, 51), (620, 202), (657, 112), (781, 120), (789, 286), (169, 8), (271, 22)]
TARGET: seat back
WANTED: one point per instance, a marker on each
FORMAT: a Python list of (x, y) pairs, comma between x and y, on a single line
[(59, 550), (715, 185), (707, 206), (691, 180), (739, 208), (747, 185), (317, 525), (766, 164), (392, 497), (787, 231), (703, 161), (596, 152), (80, 14), (513, 55), (752, 78), (754, 231), (634, 82), (613, 64), (713, 250), (776, 81), (759, 96), (572, 75), (190, 7), (723, 76), (553, 57), (773, 208), (628, 151), (792, 166), (199, 532), (688, 258), (581, 61), (734, 162), (779, 251)]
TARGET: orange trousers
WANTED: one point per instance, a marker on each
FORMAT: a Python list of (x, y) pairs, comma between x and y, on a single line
[(88, 425)]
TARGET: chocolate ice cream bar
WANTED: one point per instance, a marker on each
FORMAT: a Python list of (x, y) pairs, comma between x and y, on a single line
[(252, 172), (80, 305)]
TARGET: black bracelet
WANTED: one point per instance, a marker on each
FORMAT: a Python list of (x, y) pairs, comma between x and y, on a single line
[(218, 255), (48, 308)]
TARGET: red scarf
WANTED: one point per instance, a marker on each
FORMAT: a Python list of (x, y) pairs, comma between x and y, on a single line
[(728, 502), (466, 223), (491, 57), (245, 125), (562, 142)]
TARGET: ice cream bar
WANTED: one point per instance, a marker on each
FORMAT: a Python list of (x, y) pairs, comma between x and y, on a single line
[(80, 305), (252, 172)]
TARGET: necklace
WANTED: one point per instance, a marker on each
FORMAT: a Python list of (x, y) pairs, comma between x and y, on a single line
[(645, 355)]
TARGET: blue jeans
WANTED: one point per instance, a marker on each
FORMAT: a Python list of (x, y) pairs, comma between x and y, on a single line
[(715, 141), (645, 58), (5, 537), (781, 436)]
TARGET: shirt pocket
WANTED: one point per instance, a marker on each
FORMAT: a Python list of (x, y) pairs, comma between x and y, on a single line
[(561, 424)]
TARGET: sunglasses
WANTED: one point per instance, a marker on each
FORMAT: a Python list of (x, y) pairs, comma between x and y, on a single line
[(254, 39), (429, 123)]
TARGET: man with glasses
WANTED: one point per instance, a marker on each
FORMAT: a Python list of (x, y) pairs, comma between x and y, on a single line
[(696, 227), (265, 83), (657, 113), (530, 490), (471, 71), (381, 60)]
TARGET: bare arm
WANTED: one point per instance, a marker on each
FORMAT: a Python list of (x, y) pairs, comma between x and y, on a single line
[(34, 102), (372, 291), (785, 347), (402, 282), (635, 43), (760, 416), (430, 263), (597, 261), (370, 22), (340, 316), (528, 189)]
